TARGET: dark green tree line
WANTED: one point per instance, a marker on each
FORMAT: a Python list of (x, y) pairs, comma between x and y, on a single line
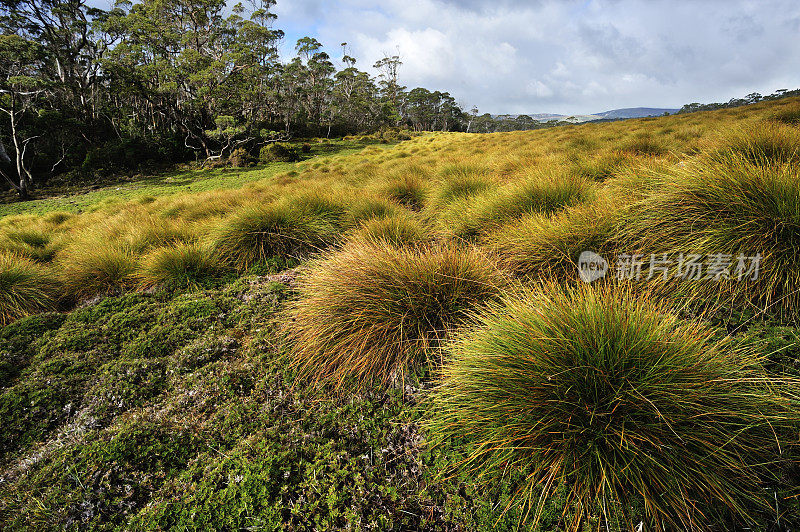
[(163, 81)]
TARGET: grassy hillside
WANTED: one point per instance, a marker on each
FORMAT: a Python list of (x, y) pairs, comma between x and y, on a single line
[(397, 338)]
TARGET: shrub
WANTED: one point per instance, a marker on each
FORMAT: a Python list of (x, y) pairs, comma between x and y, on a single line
[(94, 266), (728, 206), (279, 229), (178, 265), (240, 158), (278, 152), (470, 217), (25, 288), (636, 414), (371, 311), (544, 246)]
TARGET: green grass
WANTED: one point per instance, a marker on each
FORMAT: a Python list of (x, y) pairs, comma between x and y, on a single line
[(76, 199), (641, 416), (732, 205)]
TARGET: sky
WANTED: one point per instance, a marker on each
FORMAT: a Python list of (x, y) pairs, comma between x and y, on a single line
[(570, 57), (562, 56)]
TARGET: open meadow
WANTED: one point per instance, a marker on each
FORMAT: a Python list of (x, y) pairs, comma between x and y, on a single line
[(397, 337)]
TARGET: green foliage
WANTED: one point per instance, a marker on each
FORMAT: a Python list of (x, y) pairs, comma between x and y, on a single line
[(240, 158), (638, 414), (372, 312), (278, 152)]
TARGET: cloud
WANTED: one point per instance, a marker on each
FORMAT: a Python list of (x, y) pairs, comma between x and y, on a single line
[(570, 56)]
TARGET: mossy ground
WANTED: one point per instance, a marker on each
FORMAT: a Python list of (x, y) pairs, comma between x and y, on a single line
[(174, 410)]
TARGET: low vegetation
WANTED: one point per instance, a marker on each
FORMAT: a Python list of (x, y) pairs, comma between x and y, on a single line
[(634, 414), (395, 337), (372, 312)]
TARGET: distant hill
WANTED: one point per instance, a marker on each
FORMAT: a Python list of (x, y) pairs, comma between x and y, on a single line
[(635, 112), (614, 114)]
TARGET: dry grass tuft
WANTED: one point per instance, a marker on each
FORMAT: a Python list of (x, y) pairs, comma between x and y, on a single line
[(372, 311)]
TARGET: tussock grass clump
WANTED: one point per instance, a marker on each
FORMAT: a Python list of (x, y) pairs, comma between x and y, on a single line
[(25, 288), (763, 144), (549, 246), (280, 229), (459, 182), (732, 207), (142, 233), (93, 266), (646, 146), (367, 207), (408, 190), (602, 167), (788, 115), (178, 265), (30, 243), (471, 217), (627, 411), (398, 230), (372, 311)]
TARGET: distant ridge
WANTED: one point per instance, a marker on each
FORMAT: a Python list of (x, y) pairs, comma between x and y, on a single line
[(614, 114), (635, 112)]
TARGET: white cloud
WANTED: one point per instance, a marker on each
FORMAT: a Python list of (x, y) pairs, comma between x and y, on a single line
[(570, 56)]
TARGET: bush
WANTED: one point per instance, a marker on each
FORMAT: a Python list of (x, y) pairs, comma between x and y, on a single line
[(178, 265), (240, 158), (727, 206), (371, 312), (278, 152), (280, 229), (25, 288), (632, 412)]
